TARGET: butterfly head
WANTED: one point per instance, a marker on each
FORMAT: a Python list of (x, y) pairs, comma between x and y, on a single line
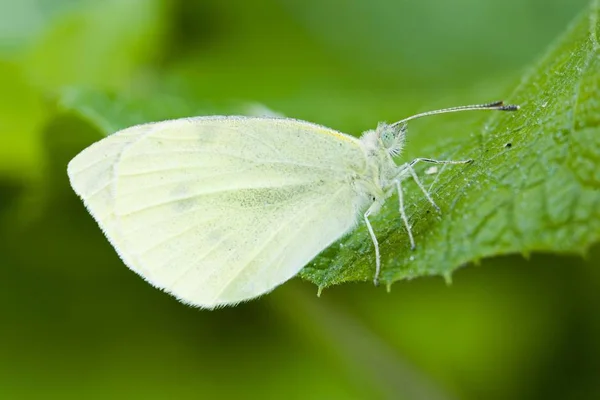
[(392, 137)]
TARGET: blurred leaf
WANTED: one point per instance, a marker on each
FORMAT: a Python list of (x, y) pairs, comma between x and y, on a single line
[(111, 112), (22, 21), (533, 186), (377, 36), (22, 113), (98, 44)]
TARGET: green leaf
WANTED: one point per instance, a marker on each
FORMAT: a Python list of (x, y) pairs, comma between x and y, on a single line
[(534, 186)]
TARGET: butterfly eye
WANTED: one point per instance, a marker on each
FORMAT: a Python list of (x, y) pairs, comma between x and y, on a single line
[(388, 138)]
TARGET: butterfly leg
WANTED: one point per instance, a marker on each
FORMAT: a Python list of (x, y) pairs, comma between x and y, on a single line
[(432, 161), (403, 215), (411, 170), (375, 243), (425, 192)]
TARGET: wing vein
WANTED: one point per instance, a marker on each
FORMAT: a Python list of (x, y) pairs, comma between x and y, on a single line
[(174, 236), (330, 167), (210, 250), (211, 193), (195, 244), (268, 240)]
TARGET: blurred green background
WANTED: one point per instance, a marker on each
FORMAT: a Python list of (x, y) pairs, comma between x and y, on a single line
[(76, 323)]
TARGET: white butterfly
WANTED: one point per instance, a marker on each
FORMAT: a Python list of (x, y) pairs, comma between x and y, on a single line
[(219, 210)]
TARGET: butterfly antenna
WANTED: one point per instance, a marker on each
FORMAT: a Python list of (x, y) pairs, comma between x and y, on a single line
[(497, 105)]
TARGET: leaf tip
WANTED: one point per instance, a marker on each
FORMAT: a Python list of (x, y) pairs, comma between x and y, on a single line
[(320, 290), (447, 277)]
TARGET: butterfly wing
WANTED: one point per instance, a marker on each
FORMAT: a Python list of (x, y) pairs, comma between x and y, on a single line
[(218, 210)]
